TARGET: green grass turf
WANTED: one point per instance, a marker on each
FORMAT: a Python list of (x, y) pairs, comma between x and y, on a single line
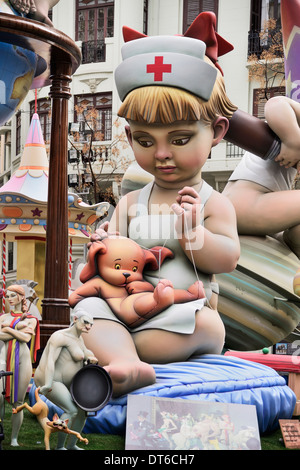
[(31, 437)]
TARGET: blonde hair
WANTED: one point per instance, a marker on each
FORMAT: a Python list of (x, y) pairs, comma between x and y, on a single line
[(163, 104)]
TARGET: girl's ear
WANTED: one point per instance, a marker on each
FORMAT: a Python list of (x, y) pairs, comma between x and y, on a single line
[(129, 135), (220, 127)]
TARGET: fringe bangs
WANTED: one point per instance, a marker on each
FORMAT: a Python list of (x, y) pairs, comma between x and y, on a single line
[(165, 105)]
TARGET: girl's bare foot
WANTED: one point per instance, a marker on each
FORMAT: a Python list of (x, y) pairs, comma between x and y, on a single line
[(127, 376)]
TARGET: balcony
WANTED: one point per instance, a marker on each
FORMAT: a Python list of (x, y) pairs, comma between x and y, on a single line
[(259, 41), (93, 51)]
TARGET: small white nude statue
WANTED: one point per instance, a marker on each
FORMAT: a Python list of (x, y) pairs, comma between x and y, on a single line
[(63, 356), (35, 9)]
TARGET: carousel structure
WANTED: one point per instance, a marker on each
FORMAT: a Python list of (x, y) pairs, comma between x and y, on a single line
[(53, 58)]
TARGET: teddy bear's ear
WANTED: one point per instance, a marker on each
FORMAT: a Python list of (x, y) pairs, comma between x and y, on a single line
[(90, 269), (155, 256)]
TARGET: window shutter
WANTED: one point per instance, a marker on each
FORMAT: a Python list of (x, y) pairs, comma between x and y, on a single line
[(192, 8), (261, 96), (209, 5)]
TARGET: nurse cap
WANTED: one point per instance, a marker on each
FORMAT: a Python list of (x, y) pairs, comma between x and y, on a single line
[(176, 61)]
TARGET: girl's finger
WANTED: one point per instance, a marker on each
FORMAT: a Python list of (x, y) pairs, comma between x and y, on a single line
[(188, 190), (190, 199), (177, 209)]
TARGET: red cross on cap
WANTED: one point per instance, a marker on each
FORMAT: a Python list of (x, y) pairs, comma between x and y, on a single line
[(159, 68)]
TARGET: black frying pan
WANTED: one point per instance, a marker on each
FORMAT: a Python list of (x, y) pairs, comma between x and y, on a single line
[(91, 388)]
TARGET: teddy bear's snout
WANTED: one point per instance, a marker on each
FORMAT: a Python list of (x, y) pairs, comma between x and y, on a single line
[(126, 275)]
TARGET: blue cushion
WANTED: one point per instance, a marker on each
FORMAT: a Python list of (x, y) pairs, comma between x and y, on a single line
[(207, 378)]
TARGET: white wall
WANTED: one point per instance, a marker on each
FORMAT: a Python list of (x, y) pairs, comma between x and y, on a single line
[(165, 17), (233, 25)]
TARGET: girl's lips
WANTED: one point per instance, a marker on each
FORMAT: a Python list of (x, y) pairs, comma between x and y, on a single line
[(166, 169)]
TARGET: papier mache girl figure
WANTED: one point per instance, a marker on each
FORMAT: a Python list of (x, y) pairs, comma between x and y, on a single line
[(176, 107), (19, 342), (261, 190)]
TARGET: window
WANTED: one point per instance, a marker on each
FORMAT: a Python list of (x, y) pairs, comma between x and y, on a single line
[(261, 12), (18, 132), (94, 23), (97, 111), (10, 256), (44, 112), (270, 9), (260, 97), (192, 8), (145, 17)]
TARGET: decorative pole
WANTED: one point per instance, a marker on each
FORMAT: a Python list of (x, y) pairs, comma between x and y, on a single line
[(56, 312)]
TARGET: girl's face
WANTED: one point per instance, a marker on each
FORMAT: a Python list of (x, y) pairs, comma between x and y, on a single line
[(174, 153), (13, 298)]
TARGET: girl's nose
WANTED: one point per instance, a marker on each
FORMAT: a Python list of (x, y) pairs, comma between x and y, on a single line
[(163, 153)]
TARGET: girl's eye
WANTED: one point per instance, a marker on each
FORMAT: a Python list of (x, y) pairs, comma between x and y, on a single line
[(181, 141), (117, 266), (145, 143), (134, 269)]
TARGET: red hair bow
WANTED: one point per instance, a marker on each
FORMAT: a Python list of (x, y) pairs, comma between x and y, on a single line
[(203, 28)]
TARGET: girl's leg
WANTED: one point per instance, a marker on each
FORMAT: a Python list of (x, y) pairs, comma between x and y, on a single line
[(160, 346), (2, 380), (25, 373), (114, 348), (77, 425), (61, 396), (260, 212)]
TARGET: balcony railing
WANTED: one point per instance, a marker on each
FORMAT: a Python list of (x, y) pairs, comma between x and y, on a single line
[(93, 51), (256, 44), (233, 151)]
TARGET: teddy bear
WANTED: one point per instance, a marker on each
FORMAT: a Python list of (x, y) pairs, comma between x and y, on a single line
[(114, 272)]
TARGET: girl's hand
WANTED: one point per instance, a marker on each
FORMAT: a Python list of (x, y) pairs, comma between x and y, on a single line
[(102, 232), (289, 155), (6, 329), (92, 360), (29, 330), (188, 208)]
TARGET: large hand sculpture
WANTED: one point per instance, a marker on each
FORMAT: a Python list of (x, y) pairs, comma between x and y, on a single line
[(35, 9)]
